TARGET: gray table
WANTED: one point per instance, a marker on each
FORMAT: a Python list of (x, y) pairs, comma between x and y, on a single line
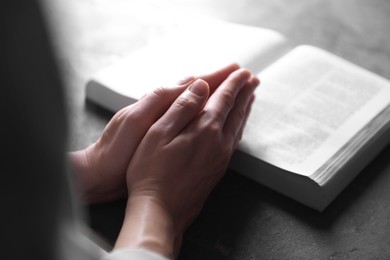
[(242, 219)]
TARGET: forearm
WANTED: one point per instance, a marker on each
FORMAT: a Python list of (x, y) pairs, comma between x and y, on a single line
[(147, 225)]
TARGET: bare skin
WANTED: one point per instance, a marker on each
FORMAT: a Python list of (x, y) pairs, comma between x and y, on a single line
[(166, 153), (101, 167)]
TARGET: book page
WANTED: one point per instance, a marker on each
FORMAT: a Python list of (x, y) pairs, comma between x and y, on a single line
[(309, 105), (194, 48)]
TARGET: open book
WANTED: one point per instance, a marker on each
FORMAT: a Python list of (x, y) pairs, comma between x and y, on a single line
[(317, 120)]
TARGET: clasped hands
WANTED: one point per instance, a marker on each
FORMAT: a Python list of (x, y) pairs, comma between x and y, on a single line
[(167, 152)]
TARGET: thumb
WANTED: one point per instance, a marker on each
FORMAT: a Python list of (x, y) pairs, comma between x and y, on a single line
[(184, 109)]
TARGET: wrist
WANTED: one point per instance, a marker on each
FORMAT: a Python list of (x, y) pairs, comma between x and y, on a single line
[(149, 226), (96, 182), (81, 174), (84, 176)]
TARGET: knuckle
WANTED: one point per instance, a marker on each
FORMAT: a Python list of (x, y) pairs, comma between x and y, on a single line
[(212, 130), (215, 129), (186, 103), (125, 120), (213, 115), (228, 99), (130, 116), (218, 116), (160, 91), (189, 141), (158, 132), (241, 113)]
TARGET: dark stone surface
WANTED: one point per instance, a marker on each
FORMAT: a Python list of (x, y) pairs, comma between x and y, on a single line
[(242, 219)]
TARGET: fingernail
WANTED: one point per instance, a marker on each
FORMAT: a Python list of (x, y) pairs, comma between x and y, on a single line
[(199, 87), (186, 80)]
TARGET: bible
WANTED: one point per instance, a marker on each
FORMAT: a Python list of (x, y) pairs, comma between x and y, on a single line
[(317, 120)]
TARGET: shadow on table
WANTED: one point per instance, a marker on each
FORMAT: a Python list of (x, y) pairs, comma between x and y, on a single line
[(239, 210)]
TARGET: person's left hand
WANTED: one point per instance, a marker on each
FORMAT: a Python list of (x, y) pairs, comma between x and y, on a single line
[(100, 169)]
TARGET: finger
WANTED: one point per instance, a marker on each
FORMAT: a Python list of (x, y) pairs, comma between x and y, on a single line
[(238, 137), (236, 119), (216, 78), (129, 125), (183, 110), (154, 104), (222, 101), (173, 91)]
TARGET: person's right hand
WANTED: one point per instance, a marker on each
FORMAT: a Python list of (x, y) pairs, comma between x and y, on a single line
[(181, 158)]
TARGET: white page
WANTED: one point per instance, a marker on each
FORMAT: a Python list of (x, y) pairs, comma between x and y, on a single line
[(309, 105), (194, 48)]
